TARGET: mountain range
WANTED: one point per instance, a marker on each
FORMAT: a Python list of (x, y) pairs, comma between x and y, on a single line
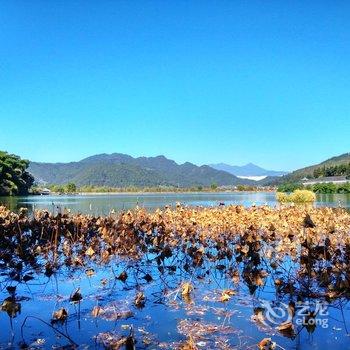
[(121, 170), (249, 171)]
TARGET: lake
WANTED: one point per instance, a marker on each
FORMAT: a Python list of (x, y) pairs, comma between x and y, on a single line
[(102, 204)]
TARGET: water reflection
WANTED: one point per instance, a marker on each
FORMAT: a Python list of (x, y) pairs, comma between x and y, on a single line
[(103, 204)]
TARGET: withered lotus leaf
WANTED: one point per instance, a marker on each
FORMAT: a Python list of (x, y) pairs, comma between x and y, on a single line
[(267, 344), (76, 296), (60, 315), (186, 288), (140, 300), (10, 306)]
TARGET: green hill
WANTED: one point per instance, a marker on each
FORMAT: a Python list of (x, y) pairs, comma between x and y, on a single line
[(309, 172), (120, 170)]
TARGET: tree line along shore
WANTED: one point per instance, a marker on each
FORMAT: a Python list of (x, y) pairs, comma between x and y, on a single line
[(321, 188)]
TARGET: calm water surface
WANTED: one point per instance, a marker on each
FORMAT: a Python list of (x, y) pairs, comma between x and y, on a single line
[(103, 204)]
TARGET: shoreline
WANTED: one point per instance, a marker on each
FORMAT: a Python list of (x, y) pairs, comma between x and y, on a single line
[(153, 193)]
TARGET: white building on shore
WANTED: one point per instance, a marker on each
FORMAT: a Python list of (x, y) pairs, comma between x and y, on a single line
[(337, 180)]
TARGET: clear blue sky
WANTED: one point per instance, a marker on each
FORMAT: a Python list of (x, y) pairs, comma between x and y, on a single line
[(202, 81)]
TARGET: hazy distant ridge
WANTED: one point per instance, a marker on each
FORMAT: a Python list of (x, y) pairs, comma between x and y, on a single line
[(249, 169)]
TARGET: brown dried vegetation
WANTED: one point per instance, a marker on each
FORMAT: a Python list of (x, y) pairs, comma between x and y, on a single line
[(248, 245)]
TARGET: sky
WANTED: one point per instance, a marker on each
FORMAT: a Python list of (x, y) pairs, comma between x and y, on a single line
[(266, 82)]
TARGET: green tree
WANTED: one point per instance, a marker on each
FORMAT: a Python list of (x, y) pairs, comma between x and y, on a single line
[(318, 172), (14, 179), (325, 188), (71, 187), (57, 188), (290, 187), (334, 170), (213, 186)]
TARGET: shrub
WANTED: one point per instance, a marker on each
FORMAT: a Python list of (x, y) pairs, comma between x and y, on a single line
[(344, 188), (282, 197), (303, 196), (297, 197)]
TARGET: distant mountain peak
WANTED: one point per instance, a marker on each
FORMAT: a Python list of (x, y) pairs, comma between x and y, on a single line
[(249, 170)]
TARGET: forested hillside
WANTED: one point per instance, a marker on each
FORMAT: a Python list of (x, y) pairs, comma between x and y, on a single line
[(334, 166)]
